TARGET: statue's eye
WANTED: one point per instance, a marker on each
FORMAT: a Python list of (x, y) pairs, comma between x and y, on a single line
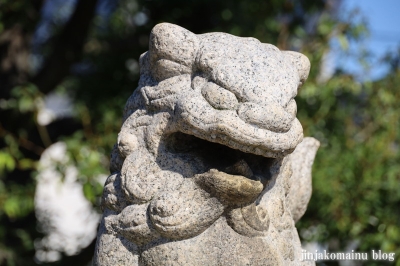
[(218, 97)]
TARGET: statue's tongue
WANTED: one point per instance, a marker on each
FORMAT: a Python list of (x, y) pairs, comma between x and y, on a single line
[(230, 189)]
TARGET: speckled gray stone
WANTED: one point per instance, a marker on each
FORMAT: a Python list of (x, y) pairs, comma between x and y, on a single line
[(210, 166)]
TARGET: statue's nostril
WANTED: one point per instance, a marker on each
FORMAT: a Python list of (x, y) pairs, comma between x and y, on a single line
[(270, 116)]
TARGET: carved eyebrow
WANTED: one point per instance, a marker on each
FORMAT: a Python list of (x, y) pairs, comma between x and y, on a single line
[(165, 93)]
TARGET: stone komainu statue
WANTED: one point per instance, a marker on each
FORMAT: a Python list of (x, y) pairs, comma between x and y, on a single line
[(210, 167)]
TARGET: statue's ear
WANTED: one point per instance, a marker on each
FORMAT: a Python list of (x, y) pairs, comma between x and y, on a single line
[(301, 63), (172, 50), (300, 187)]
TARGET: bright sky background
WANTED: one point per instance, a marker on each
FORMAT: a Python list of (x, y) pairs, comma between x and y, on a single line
[(384, 24), (383, 17)]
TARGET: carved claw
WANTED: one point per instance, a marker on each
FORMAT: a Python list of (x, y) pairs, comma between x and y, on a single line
[(184, 213), (134, 224), (251, 221)]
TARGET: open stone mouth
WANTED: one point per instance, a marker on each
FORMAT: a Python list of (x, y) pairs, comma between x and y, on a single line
[(225, 168)]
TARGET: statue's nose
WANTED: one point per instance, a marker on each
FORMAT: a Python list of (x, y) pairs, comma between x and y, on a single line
[(271, 116)]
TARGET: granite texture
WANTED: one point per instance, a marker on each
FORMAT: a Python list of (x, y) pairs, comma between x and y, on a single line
[(210, 166)]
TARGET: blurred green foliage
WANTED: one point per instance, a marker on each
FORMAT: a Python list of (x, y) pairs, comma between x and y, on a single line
[(356, 174)]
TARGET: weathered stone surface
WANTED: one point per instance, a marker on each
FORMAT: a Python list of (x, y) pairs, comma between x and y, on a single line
[(210, 166)]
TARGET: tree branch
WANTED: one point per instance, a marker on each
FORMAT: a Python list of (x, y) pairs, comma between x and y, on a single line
[(68, 47)]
